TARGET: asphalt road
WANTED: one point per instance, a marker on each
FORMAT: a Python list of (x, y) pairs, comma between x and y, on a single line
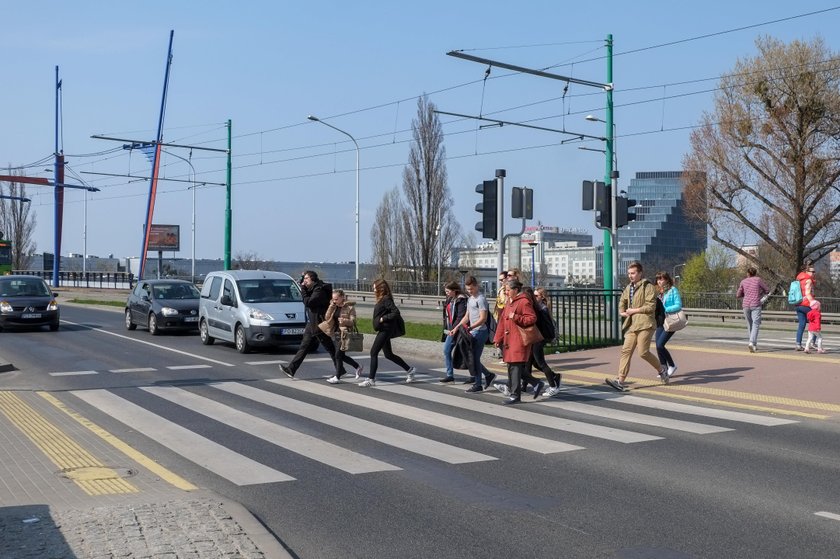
[(455, 475)]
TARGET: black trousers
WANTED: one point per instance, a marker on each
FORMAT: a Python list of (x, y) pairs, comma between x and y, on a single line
[(312, 336), (340, 359), (538, 361), (382, 343)]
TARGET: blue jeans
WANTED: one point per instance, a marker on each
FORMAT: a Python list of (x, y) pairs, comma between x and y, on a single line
[(753, 316), (447, 355), (801, 314), (478, 341), (662, 338)]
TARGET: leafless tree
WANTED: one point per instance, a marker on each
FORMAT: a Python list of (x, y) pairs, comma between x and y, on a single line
[(17, 222), (247, 260), (768, 157)]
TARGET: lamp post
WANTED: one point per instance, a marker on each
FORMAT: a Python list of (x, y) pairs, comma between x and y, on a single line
[(612, 176), (193, 187), (316, 119), (533, 245), (675, 271)]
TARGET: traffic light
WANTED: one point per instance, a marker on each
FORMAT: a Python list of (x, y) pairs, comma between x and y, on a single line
[(603, 205), (487, 208), (522, 202), (588, 196), (625, 212)]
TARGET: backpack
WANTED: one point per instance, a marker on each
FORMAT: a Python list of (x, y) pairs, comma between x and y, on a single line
[(795, 293), (545, 324)]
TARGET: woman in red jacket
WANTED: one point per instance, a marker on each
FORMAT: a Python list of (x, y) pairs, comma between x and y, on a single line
[(518, 313)]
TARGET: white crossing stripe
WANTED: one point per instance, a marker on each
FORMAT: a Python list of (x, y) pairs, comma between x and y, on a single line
[(208, 454), (73, 373), (184, 367), (380, 433), (300, 443), (439, 420), (308, 360), (830, 515), (532, 418), (683, 408), (137, 370)]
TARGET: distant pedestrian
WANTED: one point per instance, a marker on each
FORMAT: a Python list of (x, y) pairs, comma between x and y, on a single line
[(340, 319), (454, 309), (475, 320), (637, 306), (754, 292), (671, 302), (388, 324), (518, 313), (814, 328), (806, 284), (316, 299)]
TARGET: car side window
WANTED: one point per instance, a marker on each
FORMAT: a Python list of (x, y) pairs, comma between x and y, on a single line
[(212, 291), (138, 290), (228, 290)]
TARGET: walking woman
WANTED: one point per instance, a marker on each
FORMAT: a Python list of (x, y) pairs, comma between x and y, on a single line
[(753, 291), (671, 301), (454, 309), (518, 313), (806, 284), (340, 317), (546, 325), (388, 325)]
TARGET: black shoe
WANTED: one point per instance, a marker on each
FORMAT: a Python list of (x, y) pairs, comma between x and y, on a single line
[(474, 388), (287, 371), (538, 389), (488, 381), (470, 380), (509, 401), (447, 379)]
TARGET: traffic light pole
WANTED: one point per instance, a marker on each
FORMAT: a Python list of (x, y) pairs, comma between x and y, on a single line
[(500, 219), (610, 248)]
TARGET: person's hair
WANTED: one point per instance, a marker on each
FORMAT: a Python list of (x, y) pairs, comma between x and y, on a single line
[(470, 280), (751, 271), (515, 284), (805, 265), (312, 275), (529, 293), (544, 294), (339, 292), (517, 273), (453, 286), (667, 277), (636, 264), (381, 289)]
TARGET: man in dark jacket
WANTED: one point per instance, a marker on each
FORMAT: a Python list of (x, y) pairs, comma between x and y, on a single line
[(316, 299)]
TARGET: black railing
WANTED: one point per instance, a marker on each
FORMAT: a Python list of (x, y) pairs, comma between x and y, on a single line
[(101, 280), (586, 318)]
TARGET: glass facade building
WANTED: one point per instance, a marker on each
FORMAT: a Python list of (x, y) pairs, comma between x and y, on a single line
[(662, 235)]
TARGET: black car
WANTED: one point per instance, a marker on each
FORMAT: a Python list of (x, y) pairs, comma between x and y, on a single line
[(27, 301), (163, 304)]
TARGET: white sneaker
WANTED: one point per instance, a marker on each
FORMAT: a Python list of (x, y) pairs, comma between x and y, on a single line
[(367, 383), (671, 370), (360, 371), (551, 392), (410, 378), (752, 348), (333, 380), (501, 387)]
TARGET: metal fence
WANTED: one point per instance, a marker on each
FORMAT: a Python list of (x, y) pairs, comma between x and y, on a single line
[(100, 280), (728, 301), (585, 318)]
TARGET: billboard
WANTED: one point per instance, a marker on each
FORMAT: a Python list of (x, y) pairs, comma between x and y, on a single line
[(165, 237)]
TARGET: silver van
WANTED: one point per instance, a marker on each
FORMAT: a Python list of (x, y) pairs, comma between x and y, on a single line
[(251, 308)]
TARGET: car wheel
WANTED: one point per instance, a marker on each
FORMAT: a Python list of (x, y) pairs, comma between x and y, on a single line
[(153, 327), (205, 336), (53, 326), (241, 340), (128, 324)]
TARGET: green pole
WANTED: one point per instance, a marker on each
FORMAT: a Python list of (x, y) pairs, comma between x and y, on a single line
[(227, 201), (608, 233)]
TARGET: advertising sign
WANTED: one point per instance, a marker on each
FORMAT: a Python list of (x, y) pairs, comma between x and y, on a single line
[(165, 237)]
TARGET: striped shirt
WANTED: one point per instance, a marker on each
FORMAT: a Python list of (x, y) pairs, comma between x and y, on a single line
[(752, 289)]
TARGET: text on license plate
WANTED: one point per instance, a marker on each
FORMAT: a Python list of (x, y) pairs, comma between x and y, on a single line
[(31, 315), (291, 331), (191, 319)]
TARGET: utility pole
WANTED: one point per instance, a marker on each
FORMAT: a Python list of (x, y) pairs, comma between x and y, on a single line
[(228, 211), (610, 245)]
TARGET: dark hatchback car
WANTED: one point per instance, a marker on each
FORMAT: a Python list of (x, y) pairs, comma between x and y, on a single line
[(27, 301), (162, 304)]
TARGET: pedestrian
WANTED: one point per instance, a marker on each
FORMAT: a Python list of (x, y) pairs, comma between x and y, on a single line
[(454, 309), (475, 320), (637, 306), (545, 322), (671, 303), (340, 319), (805, 277), (518, 314), (499, 306), (754, 292), (814, 328), (388, 324), (316, 298)]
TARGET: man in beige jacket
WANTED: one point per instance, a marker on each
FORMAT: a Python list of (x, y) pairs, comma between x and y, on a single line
[(637, 306)]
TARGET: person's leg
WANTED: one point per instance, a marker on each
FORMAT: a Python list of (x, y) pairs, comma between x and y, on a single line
[(327, 342), (538, 360), (809, 341), (664, 355), (391, 356), (820, 349), (309, 340), (378, 342), (339, 362), (755, 314), (802, 316), (481, 372), (515, 374), (447, 356), (643, 339), (626, 355), (748, 317)]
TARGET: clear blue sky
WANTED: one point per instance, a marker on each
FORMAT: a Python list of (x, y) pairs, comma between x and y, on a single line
[(360, 66)]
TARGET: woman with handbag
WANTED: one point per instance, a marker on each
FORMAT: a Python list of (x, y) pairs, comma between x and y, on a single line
[(672, 303), (339, 322), (516, 332), (388, 324)]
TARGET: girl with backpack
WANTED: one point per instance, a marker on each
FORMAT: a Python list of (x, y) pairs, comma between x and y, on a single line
[(806, 285)]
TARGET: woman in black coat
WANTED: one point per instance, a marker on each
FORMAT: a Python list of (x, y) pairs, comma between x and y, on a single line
[(388, 324)]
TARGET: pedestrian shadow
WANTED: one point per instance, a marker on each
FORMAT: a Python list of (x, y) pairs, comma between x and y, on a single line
[(574, 363), (709, 376), (31, 531)]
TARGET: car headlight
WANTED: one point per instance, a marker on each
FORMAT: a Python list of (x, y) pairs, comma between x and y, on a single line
[(168, 311), (5, 306), (258, 314), (53, 306)]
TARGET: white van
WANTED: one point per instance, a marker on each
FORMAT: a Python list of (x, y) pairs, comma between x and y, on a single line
[(251, 308)]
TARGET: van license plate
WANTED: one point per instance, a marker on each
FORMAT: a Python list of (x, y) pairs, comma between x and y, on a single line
[(291, 331), (31, 315)]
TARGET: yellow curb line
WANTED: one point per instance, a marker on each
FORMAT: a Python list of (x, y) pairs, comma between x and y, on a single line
[(137, 456), (810, 357)]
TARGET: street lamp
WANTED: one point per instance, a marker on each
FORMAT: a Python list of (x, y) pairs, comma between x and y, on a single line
[(193, 187), (533, 245), (316, 119), (675, 271)]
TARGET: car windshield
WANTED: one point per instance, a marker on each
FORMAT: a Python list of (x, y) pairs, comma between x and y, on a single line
[(175, 291), (269, 291), (24, 288)]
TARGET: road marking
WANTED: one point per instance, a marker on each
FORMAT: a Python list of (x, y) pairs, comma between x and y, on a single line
[(363, 428), (86, 471), (185, 367), (137, 370), (793, 356), (294, 441), (163, 347), (830, 515), (73, 373), (308, 360), (165, 474), (216, 458), (439, 420), (522, 416)]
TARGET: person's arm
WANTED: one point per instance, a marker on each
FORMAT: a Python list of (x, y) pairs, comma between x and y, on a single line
[(809, 291), (740, 293), (674, 301)]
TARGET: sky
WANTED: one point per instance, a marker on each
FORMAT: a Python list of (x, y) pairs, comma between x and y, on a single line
[(360, 66)]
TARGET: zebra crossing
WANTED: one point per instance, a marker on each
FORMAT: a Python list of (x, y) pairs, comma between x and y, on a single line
[(430, 406)]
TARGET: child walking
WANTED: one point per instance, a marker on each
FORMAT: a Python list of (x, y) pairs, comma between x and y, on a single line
[(814, 327)]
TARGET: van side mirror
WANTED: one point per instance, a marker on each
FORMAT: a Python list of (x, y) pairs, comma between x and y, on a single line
[(226, 301)]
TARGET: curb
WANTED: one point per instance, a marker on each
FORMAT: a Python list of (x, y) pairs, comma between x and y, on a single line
[(267, 542)]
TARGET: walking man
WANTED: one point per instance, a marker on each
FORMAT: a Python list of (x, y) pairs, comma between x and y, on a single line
[(637, 305), (476, 317), (754, 291), (316, 299)]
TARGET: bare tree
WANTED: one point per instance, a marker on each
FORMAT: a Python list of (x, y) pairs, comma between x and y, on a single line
[(419, 216), (768, 157), (247, 260), (17, 224)]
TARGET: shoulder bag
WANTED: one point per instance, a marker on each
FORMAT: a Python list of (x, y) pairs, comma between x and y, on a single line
[(675, 321), (530, 334)]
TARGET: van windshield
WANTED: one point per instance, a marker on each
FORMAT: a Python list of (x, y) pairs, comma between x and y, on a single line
[(269, 291)]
